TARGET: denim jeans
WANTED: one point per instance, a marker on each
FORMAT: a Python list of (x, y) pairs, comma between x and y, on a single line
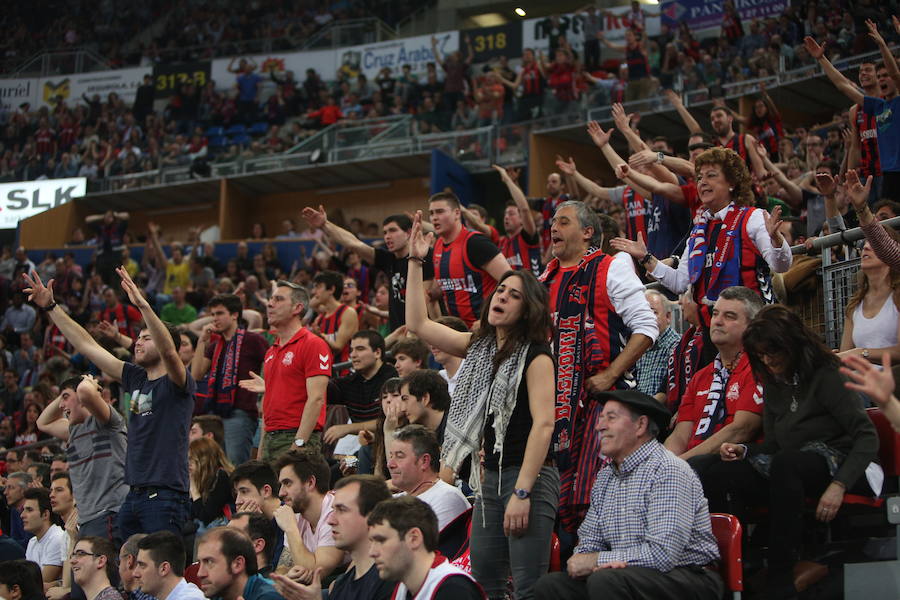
[(147, 510), (240, 428), (105, 526), (494, 554)]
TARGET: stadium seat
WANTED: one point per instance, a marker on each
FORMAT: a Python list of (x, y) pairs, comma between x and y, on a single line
[(555, 558), (214, 132), (258, 129), (727, 530), (888, 456), (236, 130), (190, 573), (218, 141), (241, 139)]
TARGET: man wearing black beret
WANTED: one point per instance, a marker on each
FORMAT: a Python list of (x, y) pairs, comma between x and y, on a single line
[(647, 533)]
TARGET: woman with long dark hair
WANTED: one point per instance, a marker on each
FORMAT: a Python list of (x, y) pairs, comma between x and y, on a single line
[(211, 490), (817, 441), (503, 406)]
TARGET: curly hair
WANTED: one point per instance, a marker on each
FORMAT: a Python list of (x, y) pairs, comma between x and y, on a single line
[(735, 170)]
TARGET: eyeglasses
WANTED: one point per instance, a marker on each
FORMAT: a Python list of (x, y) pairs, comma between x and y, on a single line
[(81, 554)]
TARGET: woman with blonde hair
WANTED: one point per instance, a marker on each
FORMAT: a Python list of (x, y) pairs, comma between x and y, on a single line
[(211, 491), (872, 316), (731, 242)]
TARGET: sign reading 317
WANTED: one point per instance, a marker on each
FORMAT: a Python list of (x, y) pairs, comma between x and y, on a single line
[(168, 79)]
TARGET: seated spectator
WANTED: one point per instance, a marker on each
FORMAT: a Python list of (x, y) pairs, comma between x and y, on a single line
[(18, 579), (414, 463), (647, 533), (127, 561), (49, 545), (451, 363), (94, 567), (228, 567), (817, 443), (208, 426), (410, 354), (872, 318), (256, 491), (354, 499), (178, 311), (305, 479), (359, 391), (211, 490), (723, 402), (425, 399), (17, 483), (62, 502), (404, 536), (261, 532), (159, 568), (651, 366)]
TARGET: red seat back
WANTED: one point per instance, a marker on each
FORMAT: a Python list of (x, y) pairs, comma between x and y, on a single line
[(727, 530), (555, 560), (190, 573)]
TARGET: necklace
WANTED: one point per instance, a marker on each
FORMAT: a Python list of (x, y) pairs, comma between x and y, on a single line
[(794, 385), (415, 489)]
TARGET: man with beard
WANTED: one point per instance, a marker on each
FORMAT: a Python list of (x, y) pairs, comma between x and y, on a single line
[(305, 478), (391, 259), (743, 143), (228, 568), (229, 352), (160, 393)]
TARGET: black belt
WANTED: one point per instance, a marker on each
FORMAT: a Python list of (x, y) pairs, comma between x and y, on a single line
[(150, 490)]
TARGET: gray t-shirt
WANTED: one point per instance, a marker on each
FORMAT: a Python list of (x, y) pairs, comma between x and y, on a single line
[(96, 455)]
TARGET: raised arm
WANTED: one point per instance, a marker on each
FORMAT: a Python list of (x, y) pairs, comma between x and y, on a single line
[(417, 321), (509, 177), (89, 395), (686, 116), (53, 422), (161, 260), (610, 45), (623, 124), (82, 341), (200, 364), (436, 52), (474, 221), (844, 85), (890, 62), (568, 167), (163, 341)]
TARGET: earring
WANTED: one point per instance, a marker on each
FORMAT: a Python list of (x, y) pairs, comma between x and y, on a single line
[(731, 189)]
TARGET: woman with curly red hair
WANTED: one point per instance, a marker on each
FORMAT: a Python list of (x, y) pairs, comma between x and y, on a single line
[(731, 242)]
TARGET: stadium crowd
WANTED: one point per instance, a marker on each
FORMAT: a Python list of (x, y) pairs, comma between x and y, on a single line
[(432, 413), (98, 137)]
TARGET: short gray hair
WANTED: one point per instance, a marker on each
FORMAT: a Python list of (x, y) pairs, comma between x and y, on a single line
[(299, 294), (586, 218), (130, 547), (750, 299), (661, 297), (25, 479)]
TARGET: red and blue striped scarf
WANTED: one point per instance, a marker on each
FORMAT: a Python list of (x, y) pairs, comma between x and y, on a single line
[(221, 393)]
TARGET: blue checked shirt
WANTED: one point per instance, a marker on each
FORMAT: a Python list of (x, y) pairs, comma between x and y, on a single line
[(650, 513), (651, 367)]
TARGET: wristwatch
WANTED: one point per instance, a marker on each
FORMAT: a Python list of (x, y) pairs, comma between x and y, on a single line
[(865, 353), (646, 259), (299, 442), (660, 156), (522, 494)]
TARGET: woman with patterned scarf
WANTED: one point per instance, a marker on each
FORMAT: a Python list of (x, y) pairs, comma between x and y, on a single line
[(731, 242), (503, 404)]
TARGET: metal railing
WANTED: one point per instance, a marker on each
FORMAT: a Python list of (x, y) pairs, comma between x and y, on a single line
[(56, 62), (350, 32)]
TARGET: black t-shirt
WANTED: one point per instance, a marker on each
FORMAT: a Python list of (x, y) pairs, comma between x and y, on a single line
[(361, 396), (396, 269), (368, 587), (519, 426), (481, 250), (456, 587)]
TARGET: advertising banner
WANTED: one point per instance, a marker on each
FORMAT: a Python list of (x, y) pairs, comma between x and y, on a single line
[(415, 52), (536, 33), (703, 14), (13, 92), (71, 88), (24, 199), (168, 78)]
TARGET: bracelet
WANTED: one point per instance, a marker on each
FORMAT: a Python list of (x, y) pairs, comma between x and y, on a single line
[(418, 259), (49, 307)]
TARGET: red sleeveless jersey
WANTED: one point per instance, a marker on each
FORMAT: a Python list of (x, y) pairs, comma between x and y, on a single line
[(464, 285)]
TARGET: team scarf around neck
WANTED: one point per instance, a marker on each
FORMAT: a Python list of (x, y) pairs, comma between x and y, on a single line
[(221, 393), (724, 253), (717, 399)]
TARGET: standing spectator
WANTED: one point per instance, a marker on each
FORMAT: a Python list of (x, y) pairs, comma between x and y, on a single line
[(528, 86), (248, 84), (467, 265), (297, 368), (96, 447), (178, 311), (592, 25), (765, 122), (336, 322), (143, 100), (640, 84), (560, 79), (228, 352), (732, 28), (455, 68), (177, 270), (18, 319), (110, 228), (158, 392), (124, 317), (522, 244)]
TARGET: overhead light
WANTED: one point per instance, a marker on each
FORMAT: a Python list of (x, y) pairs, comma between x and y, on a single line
[(520, 11)]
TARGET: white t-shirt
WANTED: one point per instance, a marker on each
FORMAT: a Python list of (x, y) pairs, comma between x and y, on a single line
[(322, 535), (50, 550), (445, 500)]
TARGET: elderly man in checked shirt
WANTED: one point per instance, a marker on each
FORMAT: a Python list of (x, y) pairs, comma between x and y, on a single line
[(647, 533)]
